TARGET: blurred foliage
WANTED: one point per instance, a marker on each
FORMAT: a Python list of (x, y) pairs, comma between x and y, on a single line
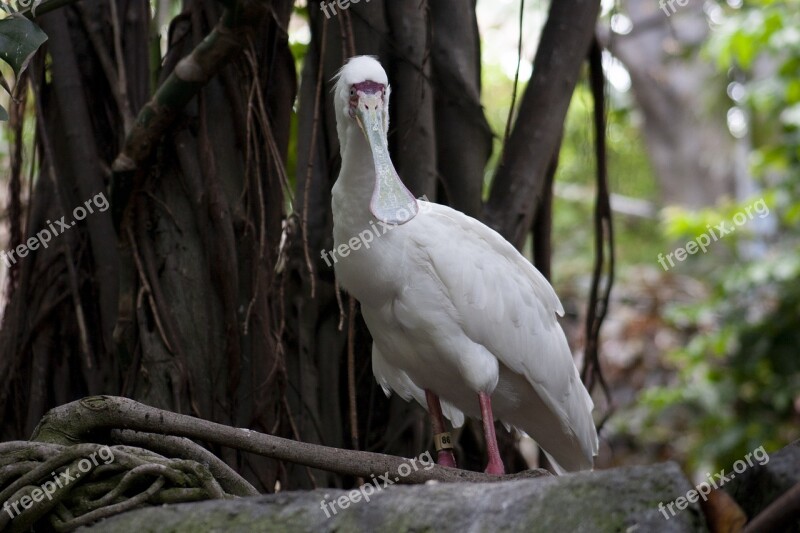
[(738, 378), (759, 47)]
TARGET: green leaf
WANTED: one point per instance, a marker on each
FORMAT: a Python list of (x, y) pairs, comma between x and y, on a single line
[(19, 40), (3, 114)]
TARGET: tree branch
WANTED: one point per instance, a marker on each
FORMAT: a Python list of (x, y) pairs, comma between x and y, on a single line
[(72, 422)]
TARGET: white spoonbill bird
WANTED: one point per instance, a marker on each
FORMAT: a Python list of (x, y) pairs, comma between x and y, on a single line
[(455, 312)]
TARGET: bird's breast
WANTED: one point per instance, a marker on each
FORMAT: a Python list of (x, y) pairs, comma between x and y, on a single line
[(372, 259)]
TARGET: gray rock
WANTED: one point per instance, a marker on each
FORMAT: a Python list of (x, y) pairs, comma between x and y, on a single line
[(624, 500)]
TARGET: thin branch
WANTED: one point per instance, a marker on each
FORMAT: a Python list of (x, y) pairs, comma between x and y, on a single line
[(604, 234), (351, 372), (122, 78), (66, 247), (513, 105), (310, 167), (149, 291), (296, 434), (118, 92)]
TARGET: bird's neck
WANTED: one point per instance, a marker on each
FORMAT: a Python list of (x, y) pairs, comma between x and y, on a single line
[(352, 191)]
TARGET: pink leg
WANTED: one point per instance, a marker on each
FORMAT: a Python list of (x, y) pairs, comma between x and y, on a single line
[(495, 465), (445, 457)]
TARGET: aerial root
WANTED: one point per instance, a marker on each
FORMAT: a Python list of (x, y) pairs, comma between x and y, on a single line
[(73, 486)]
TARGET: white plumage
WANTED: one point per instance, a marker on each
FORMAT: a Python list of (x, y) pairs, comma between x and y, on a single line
[(452, 307)]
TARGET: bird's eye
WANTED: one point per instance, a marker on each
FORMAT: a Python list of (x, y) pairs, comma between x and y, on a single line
[(352, 92)]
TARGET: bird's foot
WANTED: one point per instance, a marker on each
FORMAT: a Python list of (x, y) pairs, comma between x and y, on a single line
[(446, 458), (495, 468)]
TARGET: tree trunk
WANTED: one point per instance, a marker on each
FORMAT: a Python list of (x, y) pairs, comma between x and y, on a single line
[(188, 286)]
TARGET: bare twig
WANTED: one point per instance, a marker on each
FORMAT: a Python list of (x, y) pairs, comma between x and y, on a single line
[(69, 257), (74, 285), (122, 78), (351, 374), (339, 303), (516, 79), (149, 291), (119, 92), (604, 234), (296, 434), (310, 168)]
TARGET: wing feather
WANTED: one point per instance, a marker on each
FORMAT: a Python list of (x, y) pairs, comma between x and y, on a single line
[(492, 286), (393, 379)]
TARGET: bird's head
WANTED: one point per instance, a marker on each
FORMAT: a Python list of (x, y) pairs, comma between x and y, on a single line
[(362, 93), (361, 97)]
